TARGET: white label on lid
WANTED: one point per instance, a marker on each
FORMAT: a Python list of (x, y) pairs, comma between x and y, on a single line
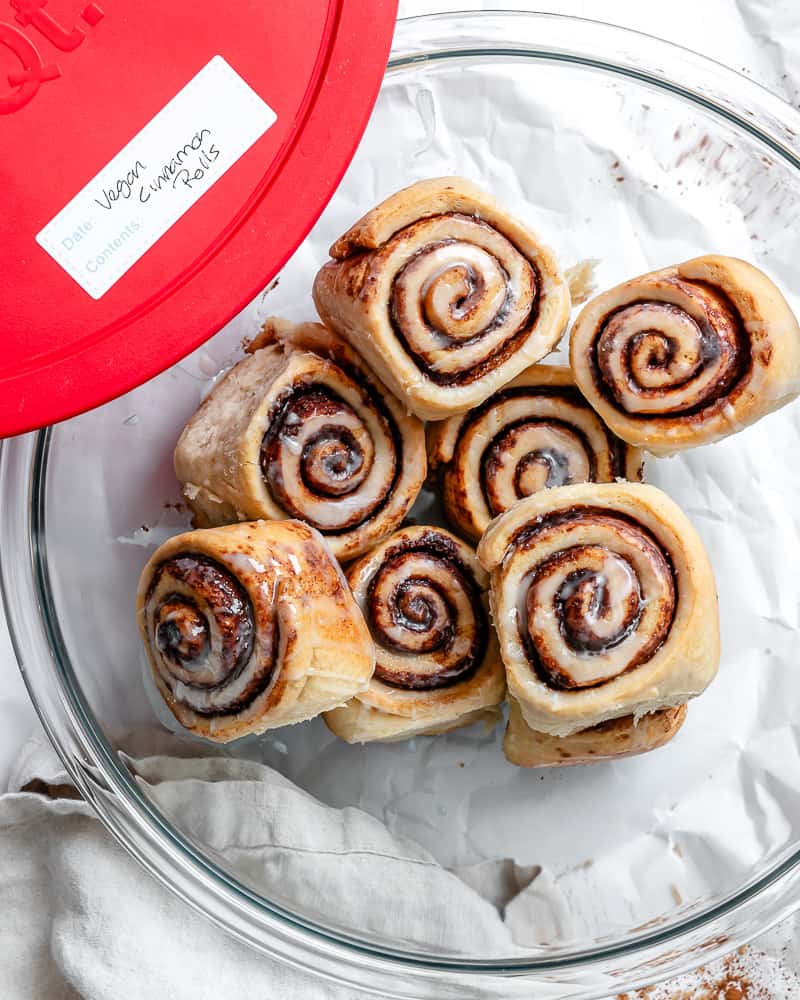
[(157, 177)]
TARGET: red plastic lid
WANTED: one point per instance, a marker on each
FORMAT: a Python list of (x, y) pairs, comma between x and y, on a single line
[(161, 161)]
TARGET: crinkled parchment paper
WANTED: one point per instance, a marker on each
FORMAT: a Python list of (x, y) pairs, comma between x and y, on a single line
[(612, 846)]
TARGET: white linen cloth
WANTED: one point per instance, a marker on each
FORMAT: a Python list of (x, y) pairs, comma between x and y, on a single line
[(79, 919)]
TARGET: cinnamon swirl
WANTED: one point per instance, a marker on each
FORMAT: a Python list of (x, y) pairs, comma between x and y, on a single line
[(302, 428), (445, 294), (251, 626), (423, 594), (604, 603), (688, 354), (535, 433)]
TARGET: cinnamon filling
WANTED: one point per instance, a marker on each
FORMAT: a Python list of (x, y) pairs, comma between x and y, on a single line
[(655, 358), (424, 608), (203, 636), (464, 301), (327, 462), (532, 455), (600, 602)]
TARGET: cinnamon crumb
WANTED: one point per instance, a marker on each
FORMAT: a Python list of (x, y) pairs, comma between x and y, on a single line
[(179, 507), (729, 979)]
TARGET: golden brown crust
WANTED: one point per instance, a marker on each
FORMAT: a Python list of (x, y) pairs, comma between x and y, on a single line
[(445, 294), (302, 428), (251, 626), (623, 737), (535, 432), (688, 354), (590, 547), (356, 722), (423, 595)]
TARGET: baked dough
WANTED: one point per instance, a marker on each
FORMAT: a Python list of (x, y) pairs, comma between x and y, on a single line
[(423, 595), (251, 626), (445, 294), (535, 433), (688, 354), (302, 428), (604, 603), (623, 737)]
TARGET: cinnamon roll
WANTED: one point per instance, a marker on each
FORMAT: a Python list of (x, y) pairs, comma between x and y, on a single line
[(302, 428), (536, 432), (251, 626), (688, 354), (604, 602), (423, 594), (624, 737), (445, 294)]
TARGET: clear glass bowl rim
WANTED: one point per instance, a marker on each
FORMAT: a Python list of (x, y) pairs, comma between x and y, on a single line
[(149, 837)]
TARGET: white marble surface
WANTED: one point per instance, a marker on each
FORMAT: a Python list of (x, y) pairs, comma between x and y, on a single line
[(758, 37)]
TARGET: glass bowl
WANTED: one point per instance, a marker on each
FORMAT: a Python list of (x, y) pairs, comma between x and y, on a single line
[(618, 148)]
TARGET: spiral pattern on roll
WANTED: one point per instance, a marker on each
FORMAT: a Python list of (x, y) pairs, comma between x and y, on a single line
[(330, 457), (461, 296), (597, 599), (201, 632), (426, 615), (674, 355), (535, 434)]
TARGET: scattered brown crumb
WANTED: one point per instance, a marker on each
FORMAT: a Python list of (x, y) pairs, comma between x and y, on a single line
[(730, 979), (620, 178), (271, 287), (145, 527)]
